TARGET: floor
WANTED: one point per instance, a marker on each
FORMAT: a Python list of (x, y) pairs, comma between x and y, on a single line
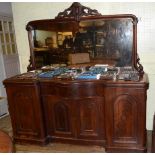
[(5, 125)]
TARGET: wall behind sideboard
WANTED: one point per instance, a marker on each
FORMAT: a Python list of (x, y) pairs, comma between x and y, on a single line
[(25, 12)]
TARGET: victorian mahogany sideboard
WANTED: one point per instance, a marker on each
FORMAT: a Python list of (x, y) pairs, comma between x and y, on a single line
[(95, 112), (110, 113)]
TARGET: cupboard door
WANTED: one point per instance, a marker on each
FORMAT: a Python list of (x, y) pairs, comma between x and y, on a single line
[(90, 118), (59, 116), (125, 110), (26, 114)]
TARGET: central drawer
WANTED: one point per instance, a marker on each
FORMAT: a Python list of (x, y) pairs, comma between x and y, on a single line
[(75, 90)]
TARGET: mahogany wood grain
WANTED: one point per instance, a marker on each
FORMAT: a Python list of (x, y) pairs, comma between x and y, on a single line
[(110, 113), (93, 112)]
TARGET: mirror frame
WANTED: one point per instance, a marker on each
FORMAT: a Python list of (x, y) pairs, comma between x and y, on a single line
[(73, 15)]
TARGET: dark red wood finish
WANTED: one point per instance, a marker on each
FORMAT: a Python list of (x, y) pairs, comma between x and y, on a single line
[(101, 112), (25, 109), (107, 113)]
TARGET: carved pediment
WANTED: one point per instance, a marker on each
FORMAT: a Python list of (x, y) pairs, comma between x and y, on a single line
[(76, 11)]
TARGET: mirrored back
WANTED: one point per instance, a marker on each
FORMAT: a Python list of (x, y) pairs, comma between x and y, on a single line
[(108, 39)]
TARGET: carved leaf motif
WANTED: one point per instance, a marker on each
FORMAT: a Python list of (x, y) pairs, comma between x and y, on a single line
[(76, 11), (139, 66)]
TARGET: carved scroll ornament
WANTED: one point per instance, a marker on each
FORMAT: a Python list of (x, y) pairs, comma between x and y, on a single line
[(76, 11)]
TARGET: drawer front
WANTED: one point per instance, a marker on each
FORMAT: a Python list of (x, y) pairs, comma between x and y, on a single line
[(74, 90)]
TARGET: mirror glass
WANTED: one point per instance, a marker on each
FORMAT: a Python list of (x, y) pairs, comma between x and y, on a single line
[(108, 41), (51, 47)]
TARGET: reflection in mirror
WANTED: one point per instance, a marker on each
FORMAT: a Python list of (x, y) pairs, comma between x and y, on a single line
[(51, 47), (44, 39), (49, 39), (111, 41), (65, 40), (108, 41)]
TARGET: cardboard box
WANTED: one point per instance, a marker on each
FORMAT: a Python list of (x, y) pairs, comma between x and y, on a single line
[(79, 58)]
